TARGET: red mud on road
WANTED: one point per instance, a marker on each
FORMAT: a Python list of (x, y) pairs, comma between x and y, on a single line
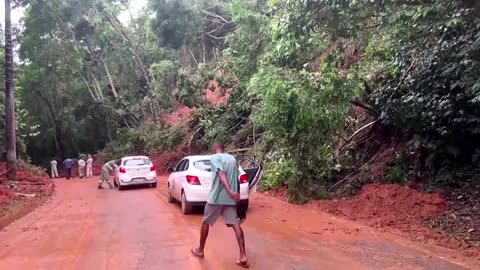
[(140, 229), (397, 209)]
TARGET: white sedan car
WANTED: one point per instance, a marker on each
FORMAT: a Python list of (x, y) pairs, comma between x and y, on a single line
[(135, 170), (191, 180)]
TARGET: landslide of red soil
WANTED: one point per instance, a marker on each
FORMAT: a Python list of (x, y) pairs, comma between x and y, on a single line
[(166, 160), (397, 209), (180, 114), (13, 205), (214, 94)]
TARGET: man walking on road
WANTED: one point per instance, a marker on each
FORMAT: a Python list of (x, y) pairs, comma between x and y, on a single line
[(68, 163), (81, 168), (222, 201), (89, 166), (107, 168), (53, 168)]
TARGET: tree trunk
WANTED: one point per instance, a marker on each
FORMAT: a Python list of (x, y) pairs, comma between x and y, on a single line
[(110, 78), (10, 127), (59, 139)]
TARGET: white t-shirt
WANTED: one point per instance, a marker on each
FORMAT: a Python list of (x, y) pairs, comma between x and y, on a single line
[(89, 162), (81, 163), (53, 163)]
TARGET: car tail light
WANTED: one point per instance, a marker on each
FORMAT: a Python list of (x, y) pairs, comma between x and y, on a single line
[(152, 168), (193, 180), (122, 170), (243, 178)]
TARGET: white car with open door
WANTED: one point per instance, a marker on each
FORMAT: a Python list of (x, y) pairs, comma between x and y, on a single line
[(134, 171), (191, 180)]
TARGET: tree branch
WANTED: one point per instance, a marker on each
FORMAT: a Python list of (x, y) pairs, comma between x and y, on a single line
[(211, 14)]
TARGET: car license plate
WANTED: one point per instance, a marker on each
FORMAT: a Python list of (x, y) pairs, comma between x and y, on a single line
[(138, 179)]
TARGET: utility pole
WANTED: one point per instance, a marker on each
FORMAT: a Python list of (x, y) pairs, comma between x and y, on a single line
[(10, 127)]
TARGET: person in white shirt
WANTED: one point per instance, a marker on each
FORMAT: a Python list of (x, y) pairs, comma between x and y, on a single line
[(89, 166), (81, 168), (53, 169)]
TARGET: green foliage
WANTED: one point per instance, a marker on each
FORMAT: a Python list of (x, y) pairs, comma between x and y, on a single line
[(190, 88), (27, 166), (159, 139), (175, 22), (434, 94), (127, 142), (303, 112), (401, 170), (166, 74), (277, 174), (150, 138)]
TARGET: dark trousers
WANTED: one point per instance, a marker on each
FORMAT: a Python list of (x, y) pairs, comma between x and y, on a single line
[(68, 171)]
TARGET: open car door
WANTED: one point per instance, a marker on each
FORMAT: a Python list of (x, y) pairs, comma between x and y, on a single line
[(252, 168)]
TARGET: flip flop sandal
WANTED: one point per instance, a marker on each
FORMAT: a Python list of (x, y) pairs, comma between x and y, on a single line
[(242, 264), (196, 253)]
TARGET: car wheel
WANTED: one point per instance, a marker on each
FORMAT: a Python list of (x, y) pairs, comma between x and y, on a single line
[(120, 187), (154, 185), (169, 196), (186, 206)]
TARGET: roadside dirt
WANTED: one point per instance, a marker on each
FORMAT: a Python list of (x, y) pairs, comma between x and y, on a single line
[(462, 219), (20, 197), (396, 209)]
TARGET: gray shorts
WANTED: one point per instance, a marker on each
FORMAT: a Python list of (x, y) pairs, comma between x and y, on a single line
[(213, 211), (105, 176)]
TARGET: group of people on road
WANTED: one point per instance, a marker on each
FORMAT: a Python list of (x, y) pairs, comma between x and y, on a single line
[(85, 167)]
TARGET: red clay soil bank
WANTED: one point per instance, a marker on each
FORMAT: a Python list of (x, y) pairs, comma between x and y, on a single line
[(388, 205), (6, 196), (27, 182), (397, 209), (14, 206)]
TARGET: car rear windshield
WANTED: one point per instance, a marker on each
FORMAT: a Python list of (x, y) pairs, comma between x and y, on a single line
[(203, 165), (137, 162)]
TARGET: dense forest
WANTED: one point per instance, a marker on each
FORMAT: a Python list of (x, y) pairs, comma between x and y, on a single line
[(324, 92)]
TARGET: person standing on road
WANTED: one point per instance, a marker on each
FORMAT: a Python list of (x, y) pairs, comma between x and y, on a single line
[(53, 168), (107, 168), (68, 163), (81, 168), (222, 201), (89, 166)]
